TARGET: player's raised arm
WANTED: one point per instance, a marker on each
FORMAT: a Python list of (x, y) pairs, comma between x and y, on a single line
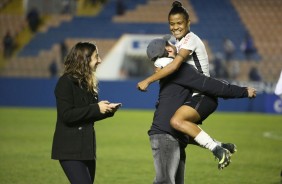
[(169, 69)]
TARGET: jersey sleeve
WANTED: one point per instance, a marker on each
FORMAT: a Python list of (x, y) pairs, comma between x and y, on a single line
[(189, 43)]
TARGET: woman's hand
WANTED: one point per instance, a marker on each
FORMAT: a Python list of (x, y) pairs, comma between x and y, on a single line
[(143, 85), (115, 107), (107, 107), (104, 106)]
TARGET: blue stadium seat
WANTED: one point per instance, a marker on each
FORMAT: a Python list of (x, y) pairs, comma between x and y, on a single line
[(217, 19)]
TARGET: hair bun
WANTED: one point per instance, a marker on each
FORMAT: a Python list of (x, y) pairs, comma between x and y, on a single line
[(176, 4)]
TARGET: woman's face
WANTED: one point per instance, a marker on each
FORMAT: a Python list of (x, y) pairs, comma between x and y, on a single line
[(95, 60), (178, 25)]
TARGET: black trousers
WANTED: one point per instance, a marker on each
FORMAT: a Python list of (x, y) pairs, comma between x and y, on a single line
[(79, 171)]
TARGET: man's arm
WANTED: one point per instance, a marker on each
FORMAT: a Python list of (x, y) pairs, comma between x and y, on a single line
[(188, 77)]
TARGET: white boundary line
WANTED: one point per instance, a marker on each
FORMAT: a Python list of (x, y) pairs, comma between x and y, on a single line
[(273, 135)]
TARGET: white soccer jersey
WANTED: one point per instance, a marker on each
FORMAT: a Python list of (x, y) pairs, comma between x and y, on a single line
[(199, 56)]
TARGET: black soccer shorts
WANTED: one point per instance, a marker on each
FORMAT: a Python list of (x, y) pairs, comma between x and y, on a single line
[(204, 105)]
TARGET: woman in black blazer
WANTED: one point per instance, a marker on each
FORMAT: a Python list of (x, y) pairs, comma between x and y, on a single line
[(74, 143)]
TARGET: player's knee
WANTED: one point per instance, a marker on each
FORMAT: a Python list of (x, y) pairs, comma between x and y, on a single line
[(175, 123)]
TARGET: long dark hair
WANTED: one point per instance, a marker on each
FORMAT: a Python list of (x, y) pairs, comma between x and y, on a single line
[(177, 8), (77, 65)]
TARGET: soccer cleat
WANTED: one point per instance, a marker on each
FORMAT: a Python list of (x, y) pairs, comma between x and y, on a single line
[(230, 147), (223, 156)]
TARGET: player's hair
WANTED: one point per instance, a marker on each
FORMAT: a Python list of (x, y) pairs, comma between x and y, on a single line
[(177, 8), (77, 65)]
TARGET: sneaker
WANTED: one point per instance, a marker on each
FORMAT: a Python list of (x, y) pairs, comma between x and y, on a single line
[(223, 156), (230, 147)]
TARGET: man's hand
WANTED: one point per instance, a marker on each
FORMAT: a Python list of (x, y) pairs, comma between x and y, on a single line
[(252, 92), (143, 85)]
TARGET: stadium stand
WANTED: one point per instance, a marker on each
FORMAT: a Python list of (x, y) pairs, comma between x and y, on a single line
[(28, 71), (263, 19), (147, 12), (33, 66), (12, 23), (209, 21), (3, 3)]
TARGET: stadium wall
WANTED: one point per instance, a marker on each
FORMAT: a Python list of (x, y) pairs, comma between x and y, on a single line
[(40, 93), (128, 44)]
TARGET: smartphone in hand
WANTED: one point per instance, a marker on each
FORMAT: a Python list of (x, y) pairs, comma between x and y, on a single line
[(116, 105)]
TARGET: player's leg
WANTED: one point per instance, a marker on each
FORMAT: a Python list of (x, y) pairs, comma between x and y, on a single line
[(232, 148), (194, 111), (206, 105), (183, 120), (166, 154)]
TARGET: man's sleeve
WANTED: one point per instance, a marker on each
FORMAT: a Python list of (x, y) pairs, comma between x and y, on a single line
[(188, 77)]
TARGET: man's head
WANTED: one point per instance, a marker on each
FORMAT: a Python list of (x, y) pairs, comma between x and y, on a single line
[(160, 47)]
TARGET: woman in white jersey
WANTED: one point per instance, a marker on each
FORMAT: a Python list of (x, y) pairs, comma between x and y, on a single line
[(190, 49)]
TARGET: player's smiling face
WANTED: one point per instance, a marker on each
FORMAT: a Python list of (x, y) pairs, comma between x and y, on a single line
[(178, 25)]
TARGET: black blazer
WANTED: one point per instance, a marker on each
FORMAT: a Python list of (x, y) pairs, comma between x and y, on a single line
[(77, 110)]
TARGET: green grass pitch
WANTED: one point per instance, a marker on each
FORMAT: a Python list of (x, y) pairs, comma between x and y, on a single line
[(124, 154)]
